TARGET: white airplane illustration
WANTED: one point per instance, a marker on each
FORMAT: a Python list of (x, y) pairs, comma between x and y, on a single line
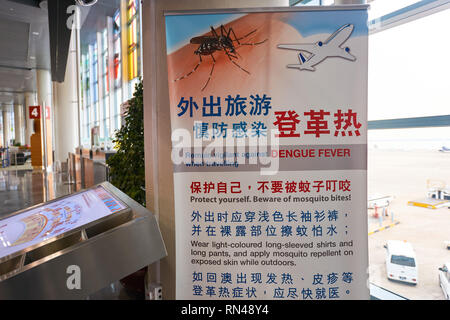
[(332, 47)]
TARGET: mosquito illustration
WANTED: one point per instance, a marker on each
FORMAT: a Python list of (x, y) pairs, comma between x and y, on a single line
[(223, 42)]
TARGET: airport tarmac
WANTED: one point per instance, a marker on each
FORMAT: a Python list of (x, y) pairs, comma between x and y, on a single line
[(404, 175)]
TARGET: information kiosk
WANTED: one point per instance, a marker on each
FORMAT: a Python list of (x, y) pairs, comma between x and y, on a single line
[(99, 234)]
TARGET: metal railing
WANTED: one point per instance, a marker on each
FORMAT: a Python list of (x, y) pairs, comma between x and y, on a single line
[(84, 172)]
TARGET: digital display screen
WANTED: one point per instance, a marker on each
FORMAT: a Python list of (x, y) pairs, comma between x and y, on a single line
[(47, 221)]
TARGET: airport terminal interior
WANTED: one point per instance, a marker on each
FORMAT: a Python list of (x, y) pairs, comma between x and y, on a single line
[(74, 75)]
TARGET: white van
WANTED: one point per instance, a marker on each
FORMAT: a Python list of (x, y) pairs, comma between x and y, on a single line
[(401, 262), (444, 279)]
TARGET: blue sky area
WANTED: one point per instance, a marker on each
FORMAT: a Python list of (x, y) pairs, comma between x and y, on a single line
[(314, 22), (181, 28)]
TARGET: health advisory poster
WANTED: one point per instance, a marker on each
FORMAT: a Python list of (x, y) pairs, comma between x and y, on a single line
[(269, 131)]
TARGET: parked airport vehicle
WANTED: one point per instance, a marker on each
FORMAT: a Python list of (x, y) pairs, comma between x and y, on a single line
[(439, 194), (444, 149), (379, 201), (444, 279), (401, 264), (437, 189)]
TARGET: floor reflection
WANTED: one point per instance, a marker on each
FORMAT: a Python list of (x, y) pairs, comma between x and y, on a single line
[(22, 189)]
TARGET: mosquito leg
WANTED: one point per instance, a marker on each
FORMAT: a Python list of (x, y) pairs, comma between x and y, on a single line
[(224, 31), (230, 30), (253, 43), (229, 57), (210, 74), (214, 33), (237, 39), (193, 70)]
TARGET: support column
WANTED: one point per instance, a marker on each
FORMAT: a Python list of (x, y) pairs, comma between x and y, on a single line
[(19, 124), (30, 100), (66, 108), (44, 93), (6, 128)]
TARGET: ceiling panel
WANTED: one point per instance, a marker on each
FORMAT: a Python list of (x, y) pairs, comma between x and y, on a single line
[(11, 81), (16, 34)]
